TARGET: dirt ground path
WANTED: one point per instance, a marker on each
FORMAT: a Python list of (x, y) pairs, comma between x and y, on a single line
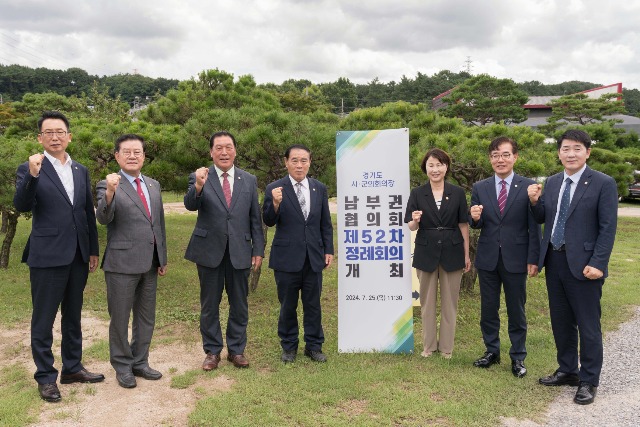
[(151, 403)]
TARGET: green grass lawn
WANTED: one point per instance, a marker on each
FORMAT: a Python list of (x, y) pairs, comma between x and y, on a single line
[(351, 389), (172, 197)]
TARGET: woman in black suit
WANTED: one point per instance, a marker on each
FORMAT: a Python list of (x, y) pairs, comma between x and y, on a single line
[(438, 210)]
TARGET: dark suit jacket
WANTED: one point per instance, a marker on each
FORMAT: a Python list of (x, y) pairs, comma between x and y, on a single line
[(591, 222), (239, 225), (131, 235), (295, 238), (58, 227), (515, 231), (438, 247)]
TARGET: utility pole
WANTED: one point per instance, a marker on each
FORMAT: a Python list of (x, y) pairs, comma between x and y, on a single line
[(468, 67)]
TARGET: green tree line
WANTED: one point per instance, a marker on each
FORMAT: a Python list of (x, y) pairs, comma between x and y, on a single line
[(341, 96), (17, 80)]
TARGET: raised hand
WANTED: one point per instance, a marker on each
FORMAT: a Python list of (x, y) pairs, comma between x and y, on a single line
[(534, 191), (35, 163), (476, 212)]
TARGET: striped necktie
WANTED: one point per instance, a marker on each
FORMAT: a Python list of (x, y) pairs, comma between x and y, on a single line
[(301, 199), (502, 197)]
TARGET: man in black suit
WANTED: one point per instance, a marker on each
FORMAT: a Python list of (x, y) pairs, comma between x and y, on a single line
[(302, 247), (508, 249), (60, 252), (580, 209)]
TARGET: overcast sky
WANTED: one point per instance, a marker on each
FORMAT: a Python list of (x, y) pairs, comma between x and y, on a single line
[(551, 41)]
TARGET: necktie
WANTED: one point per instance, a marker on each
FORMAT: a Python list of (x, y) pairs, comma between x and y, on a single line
[(502, 197), (301, 200), (226, 189), (557, 240), (142, 198)]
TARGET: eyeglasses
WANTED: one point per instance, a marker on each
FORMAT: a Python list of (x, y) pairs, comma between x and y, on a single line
[(50, 133), (129, 153), (505, 156)]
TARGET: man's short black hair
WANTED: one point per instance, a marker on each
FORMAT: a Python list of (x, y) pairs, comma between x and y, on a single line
[(219, 134), (576, 135), (296, 147), (127, 137), (503, 140), (52, 115)]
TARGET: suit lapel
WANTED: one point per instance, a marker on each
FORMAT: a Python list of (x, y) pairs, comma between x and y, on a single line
[(238, 185), (50, 171), (431, 201), (490, 188), (214, 181), (446, 199), (78, 184), (553, 189), (581, 187), (153, 200), (132, 192), (516, 186), (313, 194)]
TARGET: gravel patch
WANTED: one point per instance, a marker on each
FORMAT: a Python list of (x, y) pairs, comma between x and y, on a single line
[(617, 403)]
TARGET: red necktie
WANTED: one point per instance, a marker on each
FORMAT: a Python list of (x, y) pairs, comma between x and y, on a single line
[(142, 198), (226, 189), (502, 197)]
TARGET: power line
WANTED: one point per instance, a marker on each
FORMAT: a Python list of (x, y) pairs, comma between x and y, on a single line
[(22, 48)]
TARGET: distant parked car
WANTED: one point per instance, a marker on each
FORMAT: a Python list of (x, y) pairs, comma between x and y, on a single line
[(634, 191)]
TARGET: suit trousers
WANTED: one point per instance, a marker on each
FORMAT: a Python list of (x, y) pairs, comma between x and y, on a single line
[(212, 282), (54, 287), (127, 293), (574, 307), (449, 293), (515, 295), (307, 285)]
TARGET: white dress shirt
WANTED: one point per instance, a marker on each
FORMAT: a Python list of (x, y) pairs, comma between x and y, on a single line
[(64, 172)]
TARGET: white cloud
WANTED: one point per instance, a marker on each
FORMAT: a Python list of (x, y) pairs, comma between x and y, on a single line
[(549, 40)]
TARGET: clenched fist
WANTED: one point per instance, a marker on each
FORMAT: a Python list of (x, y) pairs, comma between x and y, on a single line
[(35, 163), (201, 178), (416, 215), (276, 193), (113, 180), (476, 212), (534, 191)]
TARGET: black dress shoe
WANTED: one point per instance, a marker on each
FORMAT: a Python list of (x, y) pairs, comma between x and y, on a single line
[(82, 376), (49, 392), (585, 394), (288, 356), (560, 378), (518, 369), (487, 360), (315, 355), (147, 373), (126, 380)]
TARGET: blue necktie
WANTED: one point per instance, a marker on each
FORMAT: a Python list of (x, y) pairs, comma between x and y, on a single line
[(557, 240)]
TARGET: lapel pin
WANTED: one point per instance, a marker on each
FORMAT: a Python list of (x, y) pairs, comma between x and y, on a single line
[(516, 186), (314, 189), (585, 183), (76, 167), (447, 198)]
